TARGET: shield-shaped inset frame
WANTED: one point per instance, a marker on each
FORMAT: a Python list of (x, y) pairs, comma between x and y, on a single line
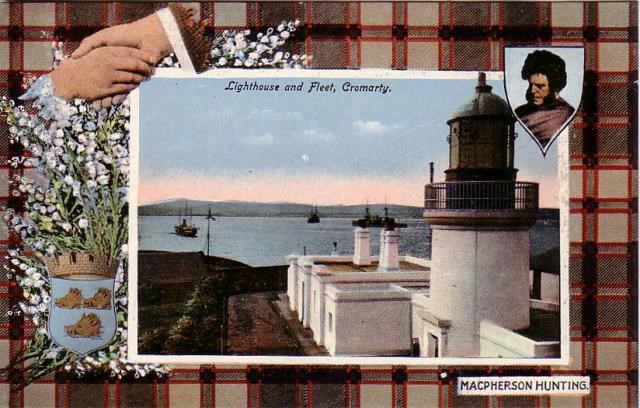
[(544, 89), (82, 314)]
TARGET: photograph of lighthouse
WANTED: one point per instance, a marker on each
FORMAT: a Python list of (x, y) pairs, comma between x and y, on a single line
[(318, 217)]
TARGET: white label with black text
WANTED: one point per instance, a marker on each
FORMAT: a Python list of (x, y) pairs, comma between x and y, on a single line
[(565, 385)]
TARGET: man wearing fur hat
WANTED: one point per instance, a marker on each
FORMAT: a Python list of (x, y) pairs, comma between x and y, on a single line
[(545, 112)]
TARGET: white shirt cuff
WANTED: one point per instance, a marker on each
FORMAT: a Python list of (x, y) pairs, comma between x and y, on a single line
[(175, 38)]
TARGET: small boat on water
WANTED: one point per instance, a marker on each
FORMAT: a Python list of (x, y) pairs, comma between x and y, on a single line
[(373, 221), (376, 221), (185, 230), (314, 218)]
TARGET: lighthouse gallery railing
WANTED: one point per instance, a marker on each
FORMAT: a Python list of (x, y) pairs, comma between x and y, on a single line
[(482, 195)]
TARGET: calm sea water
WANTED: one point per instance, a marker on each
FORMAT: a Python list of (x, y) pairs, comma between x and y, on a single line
[(264, 241)]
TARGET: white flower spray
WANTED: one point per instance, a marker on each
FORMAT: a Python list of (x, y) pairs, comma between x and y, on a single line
[(79, 201), (242, 49)]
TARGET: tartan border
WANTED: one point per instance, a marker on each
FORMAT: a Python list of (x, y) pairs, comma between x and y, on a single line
[(603, 147)]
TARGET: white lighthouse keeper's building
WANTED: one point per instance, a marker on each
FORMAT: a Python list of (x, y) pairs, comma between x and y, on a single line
[(358, 305)]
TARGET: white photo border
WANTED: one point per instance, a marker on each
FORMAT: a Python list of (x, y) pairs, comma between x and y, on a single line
[(132, 341)]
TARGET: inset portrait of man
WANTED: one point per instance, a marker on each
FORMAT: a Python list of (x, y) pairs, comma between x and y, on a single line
[(545, 112)]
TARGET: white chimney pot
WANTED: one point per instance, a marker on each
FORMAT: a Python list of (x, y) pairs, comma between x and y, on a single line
[(389, 258), (362, 246)]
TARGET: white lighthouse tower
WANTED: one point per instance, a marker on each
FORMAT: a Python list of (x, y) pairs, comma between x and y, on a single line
[(480, 218)]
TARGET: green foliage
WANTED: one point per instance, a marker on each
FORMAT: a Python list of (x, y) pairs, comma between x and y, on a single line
[(79, 202), (198, 331)]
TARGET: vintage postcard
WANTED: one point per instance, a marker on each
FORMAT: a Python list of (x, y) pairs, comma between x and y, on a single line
[(300, 204), (328, 217)]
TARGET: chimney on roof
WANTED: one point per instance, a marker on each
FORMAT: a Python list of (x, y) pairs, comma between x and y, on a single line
[(431, 172), (482, 83), (362, 246), (389, 258)]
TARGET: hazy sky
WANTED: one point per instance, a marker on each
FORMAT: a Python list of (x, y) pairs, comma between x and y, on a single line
[(199, 141)]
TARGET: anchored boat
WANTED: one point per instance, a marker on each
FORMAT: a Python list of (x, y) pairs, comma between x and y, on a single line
[(183, 229)]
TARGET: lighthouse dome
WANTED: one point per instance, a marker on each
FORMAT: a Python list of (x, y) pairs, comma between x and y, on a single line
[(483, 103)]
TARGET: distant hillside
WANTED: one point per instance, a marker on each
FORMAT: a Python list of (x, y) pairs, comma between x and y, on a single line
[(253, 209)]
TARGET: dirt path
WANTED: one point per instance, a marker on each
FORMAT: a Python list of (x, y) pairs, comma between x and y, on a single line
[(256, 328)]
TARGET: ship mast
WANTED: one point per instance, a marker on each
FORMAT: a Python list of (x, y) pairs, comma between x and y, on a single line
[(209, 218)]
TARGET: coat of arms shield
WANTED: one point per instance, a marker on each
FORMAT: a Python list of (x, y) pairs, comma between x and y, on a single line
[(82, 314), (544, 89)]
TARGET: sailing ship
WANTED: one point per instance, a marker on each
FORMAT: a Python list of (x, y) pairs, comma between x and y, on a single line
[(314, 218), (183, 229)]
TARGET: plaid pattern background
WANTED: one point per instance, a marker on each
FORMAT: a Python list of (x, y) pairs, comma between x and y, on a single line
[(402, 35)]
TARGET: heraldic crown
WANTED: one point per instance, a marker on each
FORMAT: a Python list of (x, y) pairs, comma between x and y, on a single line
[(81, 265)]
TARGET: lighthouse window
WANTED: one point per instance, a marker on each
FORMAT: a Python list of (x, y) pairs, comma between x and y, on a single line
[(330, 322)]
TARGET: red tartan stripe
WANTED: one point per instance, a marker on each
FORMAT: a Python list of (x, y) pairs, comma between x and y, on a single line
[(601, 211), (603, 200), (602, 328), (31, 72), (601, 167), (613, 201)]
